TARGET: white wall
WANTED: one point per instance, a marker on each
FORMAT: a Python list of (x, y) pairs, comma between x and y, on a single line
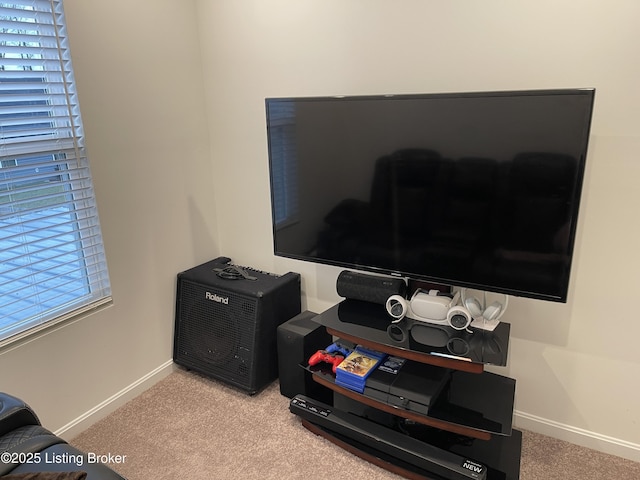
[(576, 364), (140, 89)]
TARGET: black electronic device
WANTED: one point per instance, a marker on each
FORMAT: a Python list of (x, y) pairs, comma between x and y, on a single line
[(226, 321), (298, 339), (406, 384), (432, 459), (369, 288), (478, 189)]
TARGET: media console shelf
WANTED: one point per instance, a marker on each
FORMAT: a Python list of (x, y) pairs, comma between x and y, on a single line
[(470, 418), (481, 416), (369, 325)]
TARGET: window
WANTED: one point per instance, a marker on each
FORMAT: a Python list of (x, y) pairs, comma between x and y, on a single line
[(52, 262), (283, 155)]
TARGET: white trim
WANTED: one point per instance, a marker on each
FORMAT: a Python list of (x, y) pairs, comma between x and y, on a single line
[(54, 324), (578, 436), (84, 421)]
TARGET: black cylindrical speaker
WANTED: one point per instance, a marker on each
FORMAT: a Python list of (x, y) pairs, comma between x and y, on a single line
[(369, 288), (226, 322)]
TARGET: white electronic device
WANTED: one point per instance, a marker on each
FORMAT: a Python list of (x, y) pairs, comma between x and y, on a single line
[(484, 317), (431, 308)]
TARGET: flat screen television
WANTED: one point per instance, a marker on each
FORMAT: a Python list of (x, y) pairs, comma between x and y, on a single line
[(478, 190)]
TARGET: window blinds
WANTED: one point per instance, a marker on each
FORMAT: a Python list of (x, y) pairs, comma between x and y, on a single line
[(52, 262)]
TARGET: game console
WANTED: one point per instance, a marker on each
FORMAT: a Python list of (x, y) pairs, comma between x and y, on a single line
[(406, 384), (430, 307)]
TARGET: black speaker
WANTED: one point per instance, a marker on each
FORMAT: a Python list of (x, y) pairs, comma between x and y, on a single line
[(298, 339), (226, 321), (368, 288)]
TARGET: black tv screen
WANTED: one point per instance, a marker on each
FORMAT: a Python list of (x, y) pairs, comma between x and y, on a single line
[(477, 190)]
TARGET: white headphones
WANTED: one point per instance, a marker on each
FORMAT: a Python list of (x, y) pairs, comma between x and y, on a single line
[(484, 317)]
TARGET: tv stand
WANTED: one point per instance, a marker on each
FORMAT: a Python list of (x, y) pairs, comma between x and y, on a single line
[(466, 419)]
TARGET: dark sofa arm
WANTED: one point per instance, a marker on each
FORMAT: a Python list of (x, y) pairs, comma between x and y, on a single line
[(15, 413), (21, 432)]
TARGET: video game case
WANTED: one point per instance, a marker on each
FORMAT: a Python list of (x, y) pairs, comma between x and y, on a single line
[(352, 373)]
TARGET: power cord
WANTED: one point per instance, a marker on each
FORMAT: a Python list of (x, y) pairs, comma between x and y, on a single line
[(233, 272)]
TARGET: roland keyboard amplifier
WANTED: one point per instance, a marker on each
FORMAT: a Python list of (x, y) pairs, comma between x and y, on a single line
[(227, 318)]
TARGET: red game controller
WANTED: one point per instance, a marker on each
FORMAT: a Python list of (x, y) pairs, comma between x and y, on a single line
[(324, 356)]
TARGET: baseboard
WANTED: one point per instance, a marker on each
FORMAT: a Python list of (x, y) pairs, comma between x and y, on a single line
[(578, 436), (84, 421)]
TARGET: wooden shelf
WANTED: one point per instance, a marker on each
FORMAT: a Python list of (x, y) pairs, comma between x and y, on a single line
[(437, 360)]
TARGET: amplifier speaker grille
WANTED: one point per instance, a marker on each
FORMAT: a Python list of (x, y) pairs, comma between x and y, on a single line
[(214, 337)]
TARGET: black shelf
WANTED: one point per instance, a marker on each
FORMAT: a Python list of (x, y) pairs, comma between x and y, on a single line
[(469, 414), (370, 325), (478, 406)]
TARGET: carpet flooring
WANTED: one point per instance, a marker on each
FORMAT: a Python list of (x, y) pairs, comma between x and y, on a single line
[(190, 427)]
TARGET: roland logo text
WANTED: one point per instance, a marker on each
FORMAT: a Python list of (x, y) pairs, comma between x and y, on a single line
[(216, 298)]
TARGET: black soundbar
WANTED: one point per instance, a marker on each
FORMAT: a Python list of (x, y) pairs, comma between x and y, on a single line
[(422, 455)]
